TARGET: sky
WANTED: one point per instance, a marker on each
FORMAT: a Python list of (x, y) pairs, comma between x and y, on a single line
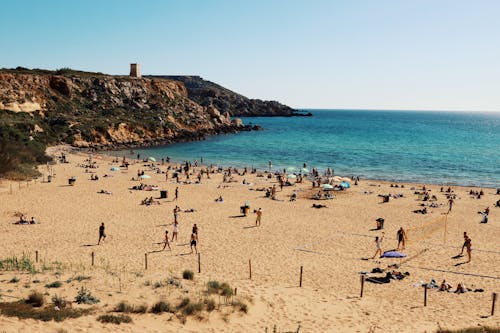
[(352, 54)]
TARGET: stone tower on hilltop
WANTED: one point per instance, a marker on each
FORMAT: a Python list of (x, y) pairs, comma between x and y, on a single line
[(135, 70)]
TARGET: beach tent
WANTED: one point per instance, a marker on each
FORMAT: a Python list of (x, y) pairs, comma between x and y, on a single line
[(393, 254), (145, 177), (115, 169), (151, 159), (292, 176), (345, 184), (327, 187)]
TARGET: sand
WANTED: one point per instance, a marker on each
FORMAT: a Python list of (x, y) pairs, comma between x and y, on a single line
[(329, 243)]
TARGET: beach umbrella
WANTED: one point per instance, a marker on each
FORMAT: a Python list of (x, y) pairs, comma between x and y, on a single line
[(345, 184), (115, 169), (145, 177), (292, 176), (327, 187), (393, 254), (151, 159)]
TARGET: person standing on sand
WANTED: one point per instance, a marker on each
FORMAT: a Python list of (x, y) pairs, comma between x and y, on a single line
[(401, 238), (194, 239), (450, 202), (468, 245), (465, 243), (378, 244), (177, 192), (167, 243), (195, 230), (175, 231), (102, 235), (176, 213), (259, 217)]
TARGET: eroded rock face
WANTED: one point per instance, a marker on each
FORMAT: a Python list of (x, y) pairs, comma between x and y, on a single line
[(224, 100), (94, 109)]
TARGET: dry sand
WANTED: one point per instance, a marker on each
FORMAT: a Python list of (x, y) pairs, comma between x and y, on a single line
[(329, 243)]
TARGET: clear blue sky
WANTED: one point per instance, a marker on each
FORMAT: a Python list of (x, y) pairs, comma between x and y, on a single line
[(399, 54)]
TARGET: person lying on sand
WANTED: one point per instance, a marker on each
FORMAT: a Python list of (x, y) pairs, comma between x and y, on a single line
[(319, 206)]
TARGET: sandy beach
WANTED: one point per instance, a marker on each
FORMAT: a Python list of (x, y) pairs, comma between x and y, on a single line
[(332, 244)]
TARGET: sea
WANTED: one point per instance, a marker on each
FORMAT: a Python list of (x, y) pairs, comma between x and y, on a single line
[(448, 148)]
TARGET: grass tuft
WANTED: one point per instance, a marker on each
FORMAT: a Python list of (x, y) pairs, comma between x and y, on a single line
[(114, 319)]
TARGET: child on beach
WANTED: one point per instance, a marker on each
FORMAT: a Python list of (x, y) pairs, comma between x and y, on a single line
[(259, 217), (378, 243)]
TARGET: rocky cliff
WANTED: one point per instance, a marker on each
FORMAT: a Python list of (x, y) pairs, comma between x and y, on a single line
[(93, 109), (207, 93)]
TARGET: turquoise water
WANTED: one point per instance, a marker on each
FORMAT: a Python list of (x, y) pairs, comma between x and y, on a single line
[(428, 147)]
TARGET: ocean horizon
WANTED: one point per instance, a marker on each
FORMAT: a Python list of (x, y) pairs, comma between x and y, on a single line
[(435, 147)]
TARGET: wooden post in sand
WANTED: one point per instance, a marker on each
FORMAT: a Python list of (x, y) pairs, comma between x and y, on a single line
[(301, 269), (235, 291), (199, 263), (146, 260), (362, 285), (250, 268), (493, 303), (36, 256), (93, 255), (425, 294)]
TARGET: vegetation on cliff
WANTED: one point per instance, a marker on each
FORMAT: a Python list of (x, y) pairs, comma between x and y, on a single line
[(41, 107)]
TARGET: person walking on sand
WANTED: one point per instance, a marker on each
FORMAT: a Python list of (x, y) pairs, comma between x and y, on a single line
[(194, 239), (378, 244), (175, 231), (102, 235), (468, 246), (176, 193), (401, 238), (167, 243), (259, 217), (465, 243), (450, 202)]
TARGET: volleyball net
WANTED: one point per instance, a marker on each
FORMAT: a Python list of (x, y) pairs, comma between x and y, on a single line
[(427, 230)]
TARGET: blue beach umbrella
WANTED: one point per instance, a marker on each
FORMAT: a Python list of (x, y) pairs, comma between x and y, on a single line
[(393, 254)]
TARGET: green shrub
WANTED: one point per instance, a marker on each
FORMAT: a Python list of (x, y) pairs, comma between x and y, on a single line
[(26, 311), (60, 302), (123, 307), (184, 302), (85, 297), (243, 307), (213, 287), (112, 319), (36, 299), (192, 308), (187, 275), (160, 307), (226, 290), (55, 284), (210, 303)]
